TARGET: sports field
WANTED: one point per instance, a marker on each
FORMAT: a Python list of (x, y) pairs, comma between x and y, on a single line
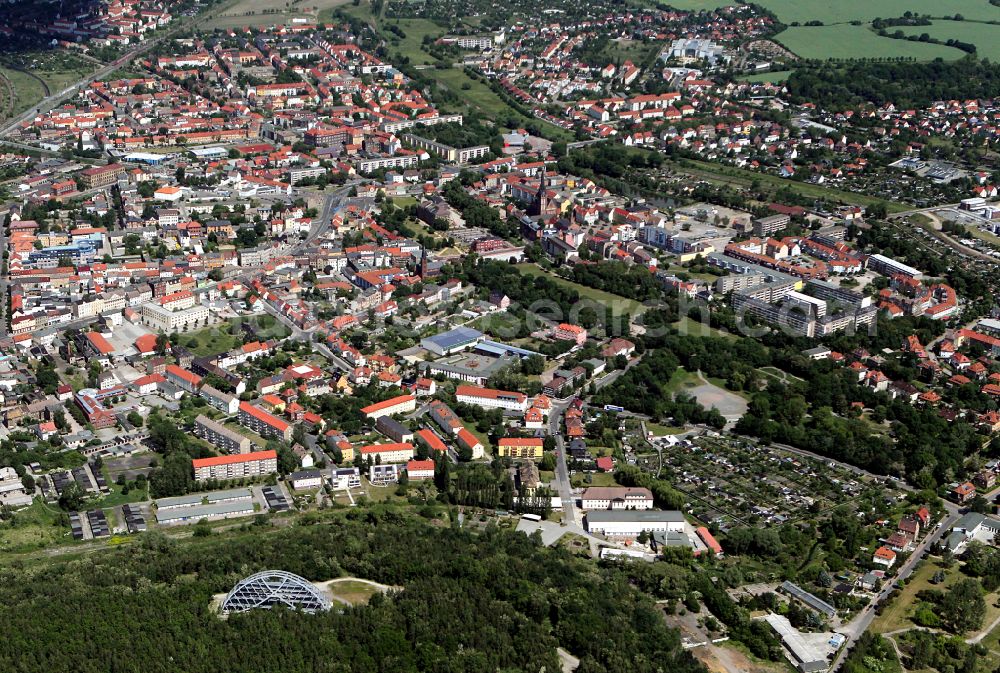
[(985, 36), (846, 41)]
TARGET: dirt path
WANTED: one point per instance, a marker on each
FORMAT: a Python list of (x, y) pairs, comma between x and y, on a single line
[(728, 660), (569, 662)]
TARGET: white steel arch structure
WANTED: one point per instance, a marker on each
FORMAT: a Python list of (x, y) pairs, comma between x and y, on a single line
[(274, 587)]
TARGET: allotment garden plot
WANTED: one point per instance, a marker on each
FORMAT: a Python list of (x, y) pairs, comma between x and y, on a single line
[(736, 482)]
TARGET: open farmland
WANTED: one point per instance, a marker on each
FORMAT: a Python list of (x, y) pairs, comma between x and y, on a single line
[(985, 36), (800, 11), (268, 12), (846, 41)]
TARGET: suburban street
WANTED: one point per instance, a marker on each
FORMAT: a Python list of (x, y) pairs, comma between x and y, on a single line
[(860, 624), (562, 470)]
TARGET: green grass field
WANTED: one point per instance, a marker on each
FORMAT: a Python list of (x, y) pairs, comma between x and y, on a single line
[(483, 438), (630, 305), (899, 612), (352, 591), (636, 51), (596, 479), (211, 340), (663, 430), (681, 381), (31, 528), (477, 96), (694, 5), (27, 91), (800, 11), (865, 10), (772, 77), (976, 232), (689, 327), (985, 36), (845, 41), (415, 30), (116, 497)]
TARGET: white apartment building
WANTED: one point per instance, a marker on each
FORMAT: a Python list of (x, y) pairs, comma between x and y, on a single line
[(492, 399)]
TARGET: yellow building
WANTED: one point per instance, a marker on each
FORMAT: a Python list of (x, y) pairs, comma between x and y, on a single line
[(520, 447)]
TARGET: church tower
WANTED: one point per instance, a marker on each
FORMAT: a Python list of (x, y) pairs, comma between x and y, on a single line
[(541, 201)]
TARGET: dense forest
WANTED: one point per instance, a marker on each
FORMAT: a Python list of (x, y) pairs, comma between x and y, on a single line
[(906, 84), (496, 601)]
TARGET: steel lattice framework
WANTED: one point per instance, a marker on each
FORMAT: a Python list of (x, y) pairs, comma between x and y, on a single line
[(274, 587)]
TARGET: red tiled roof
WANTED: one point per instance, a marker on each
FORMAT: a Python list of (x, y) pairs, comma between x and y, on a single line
[(378, 406), (100, 343)]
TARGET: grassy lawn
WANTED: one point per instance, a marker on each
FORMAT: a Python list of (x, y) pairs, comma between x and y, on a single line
[(679, 268), (627, 305), (846, 41), (682, 380), (661, 430), (31, 528), (246, 432), (500, 324), (116, 497), (721, 383), (772, 77), (897, 614), (775, 373), (211, 340), (31, 72), (475, 94), (743, 177), (596, 479), (415, 30), (403, 201), (687, 326), (352, 591), (688, 5), (620, 50), (986, 236), (379, 493), (27, 91)]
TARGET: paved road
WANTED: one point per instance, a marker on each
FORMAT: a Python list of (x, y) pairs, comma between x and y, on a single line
[(562, 470)]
